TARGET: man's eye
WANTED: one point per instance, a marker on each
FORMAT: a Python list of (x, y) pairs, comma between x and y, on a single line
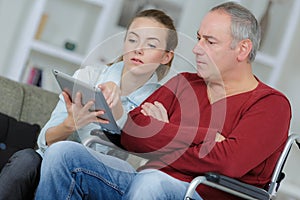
[(210, 42)]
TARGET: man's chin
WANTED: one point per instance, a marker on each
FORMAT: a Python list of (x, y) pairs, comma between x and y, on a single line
[(201, 75)]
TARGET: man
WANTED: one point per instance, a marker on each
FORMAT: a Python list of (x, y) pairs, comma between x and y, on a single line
[(222, 119)]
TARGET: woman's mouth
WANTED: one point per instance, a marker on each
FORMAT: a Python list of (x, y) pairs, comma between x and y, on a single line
[(137, 61)]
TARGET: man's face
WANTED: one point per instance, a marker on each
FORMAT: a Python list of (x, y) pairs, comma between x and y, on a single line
[(214, 56)]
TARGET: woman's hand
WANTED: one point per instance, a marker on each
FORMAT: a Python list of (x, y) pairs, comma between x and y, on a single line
[(155, 110), (112, 95), (111, 92), (80, 115)]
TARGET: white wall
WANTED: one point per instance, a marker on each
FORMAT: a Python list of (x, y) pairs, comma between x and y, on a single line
[(10, 16), (289, 84)]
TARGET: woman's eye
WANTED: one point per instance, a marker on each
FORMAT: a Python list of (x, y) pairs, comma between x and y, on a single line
[(152, 45), (132, 40)]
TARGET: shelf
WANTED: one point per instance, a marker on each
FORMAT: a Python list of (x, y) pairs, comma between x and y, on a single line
[(73, 21), (57, 52)]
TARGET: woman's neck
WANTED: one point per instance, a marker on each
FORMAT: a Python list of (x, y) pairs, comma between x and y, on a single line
[(131, 82)]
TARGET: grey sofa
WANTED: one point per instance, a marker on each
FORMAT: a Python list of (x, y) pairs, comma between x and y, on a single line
[(26, 102), (33, 105), (23, 110)]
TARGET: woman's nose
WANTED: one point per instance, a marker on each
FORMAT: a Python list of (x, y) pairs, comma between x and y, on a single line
[(139, 48)]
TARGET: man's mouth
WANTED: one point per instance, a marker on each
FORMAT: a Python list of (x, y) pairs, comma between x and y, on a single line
[(199, 62)]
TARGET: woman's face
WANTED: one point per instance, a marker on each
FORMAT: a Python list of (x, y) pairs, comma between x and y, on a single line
[(145, 46)]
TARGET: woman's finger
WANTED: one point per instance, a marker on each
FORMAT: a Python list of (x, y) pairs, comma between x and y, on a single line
[(67, 99)]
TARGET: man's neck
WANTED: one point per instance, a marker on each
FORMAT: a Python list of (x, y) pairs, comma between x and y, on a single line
[(220, 90)]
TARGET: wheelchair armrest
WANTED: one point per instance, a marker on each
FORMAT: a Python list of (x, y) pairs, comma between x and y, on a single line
[(226, 184), (237, 186), (115, 139), (298, 143), (99, 137)]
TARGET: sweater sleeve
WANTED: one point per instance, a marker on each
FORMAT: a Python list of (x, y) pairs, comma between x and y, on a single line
[(259, 134), (143, 134)]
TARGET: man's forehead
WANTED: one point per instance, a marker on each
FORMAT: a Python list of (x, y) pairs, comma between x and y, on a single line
[(215, 22)]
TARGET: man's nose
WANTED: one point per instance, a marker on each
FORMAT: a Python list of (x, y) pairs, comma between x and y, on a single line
[(198, 49)]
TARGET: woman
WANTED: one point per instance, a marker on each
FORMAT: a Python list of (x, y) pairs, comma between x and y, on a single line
[(148, 53)]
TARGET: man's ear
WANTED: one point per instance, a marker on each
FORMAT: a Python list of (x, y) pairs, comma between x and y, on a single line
[(245, 47), (167, 57)]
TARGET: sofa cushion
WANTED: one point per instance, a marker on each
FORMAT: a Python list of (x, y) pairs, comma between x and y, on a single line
[(41, 101), (15, 135), (12, 95)]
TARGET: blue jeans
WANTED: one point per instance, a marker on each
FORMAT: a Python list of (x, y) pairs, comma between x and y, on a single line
[(20, 176), (72, 171)]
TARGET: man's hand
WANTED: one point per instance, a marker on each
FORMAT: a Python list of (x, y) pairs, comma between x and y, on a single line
[(156, 110), (219, 137)]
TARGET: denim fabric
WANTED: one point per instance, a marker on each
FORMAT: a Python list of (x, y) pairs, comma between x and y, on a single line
[(20, 176), (72, 171)]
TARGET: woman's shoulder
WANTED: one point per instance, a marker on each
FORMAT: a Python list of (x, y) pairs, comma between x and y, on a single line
[(89, 70), (118, 66), (90, 73)]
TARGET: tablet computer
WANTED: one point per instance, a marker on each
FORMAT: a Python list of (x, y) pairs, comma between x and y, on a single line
[(71, 85)]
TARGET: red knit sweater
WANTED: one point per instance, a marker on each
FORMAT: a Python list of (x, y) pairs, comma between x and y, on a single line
[(255, 125)]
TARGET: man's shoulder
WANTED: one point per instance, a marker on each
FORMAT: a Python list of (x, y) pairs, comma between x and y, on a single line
[(265, 91), (190, 76)]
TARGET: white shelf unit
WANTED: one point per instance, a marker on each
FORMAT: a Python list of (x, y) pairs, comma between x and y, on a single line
[(83, 23), (102, 18), (57, 52), (22, 49)]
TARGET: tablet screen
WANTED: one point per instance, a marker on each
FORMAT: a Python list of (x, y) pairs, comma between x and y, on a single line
[(71, 85)]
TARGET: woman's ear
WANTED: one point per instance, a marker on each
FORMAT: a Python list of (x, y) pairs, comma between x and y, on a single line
[(245, 47), (167, 57)]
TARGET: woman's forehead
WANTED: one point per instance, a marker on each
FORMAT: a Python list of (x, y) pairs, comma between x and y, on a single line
[(147, 26)]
